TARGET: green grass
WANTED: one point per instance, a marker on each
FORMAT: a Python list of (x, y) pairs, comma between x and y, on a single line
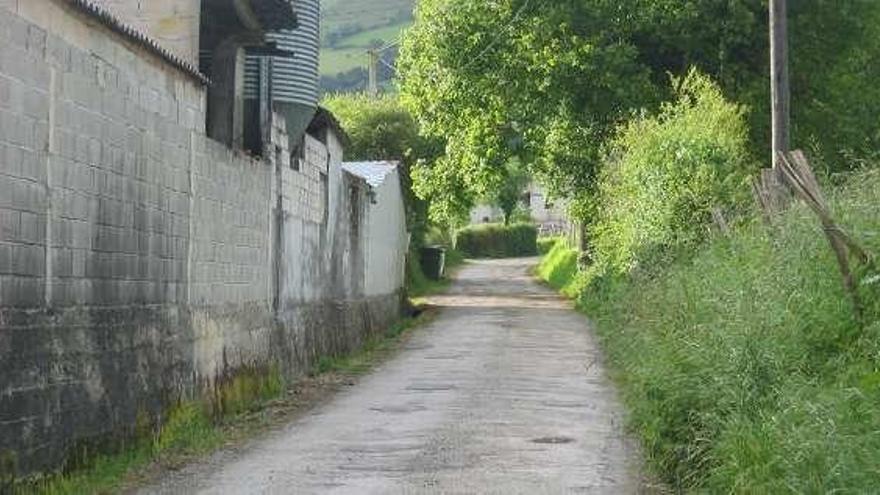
[(420, 286), (546, 244), (363, 360), (559, 269), (742, 365), (369, 20), (188, 431)]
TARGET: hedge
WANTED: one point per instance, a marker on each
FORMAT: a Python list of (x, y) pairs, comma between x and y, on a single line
[(498, 241)]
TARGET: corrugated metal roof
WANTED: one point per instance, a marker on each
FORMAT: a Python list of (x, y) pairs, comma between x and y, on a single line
[(374, 173)]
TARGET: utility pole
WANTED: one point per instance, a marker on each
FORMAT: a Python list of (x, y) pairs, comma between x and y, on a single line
[(373, 68), (780, 90)]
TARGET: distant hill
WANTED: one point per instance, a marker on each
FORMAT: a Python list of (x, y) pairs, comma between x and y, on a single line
[(349, 29)]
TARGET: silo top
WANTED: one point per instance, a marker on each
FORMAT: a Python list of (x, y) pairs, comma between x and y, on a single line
[(294, 78)]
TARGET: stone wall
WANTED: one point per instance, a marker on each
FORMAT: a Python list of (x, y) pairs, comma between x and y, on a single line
[(139, 260)]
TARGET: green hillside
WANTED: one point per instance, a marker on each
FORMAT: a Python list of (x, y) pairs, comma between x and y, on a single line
[(350, 28)]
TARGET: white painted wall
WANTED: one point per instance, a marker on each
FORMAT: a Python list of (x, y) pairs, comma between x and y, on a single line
[(387, 239)]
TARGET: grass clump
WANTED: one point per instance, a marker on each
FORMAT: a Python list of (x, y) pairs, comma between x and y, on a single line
[(361, 361), (497, 241), (546, 244), (741, 361), (559, 268)]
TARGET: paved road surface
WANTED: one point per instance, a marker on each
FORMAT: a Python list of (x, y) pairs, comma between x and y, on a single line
[(503, 393)]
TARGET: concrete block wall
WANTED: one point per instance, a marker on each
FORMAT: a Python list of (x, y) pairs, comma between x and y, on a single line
[(138, 260)]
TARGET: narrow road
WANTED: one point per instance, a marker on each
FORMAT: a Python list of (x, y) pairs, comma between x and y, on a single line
[(503, 392)]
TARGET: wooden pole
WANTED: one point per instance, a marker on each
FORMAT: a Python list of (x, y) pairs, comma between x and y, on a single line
[(779, 80), (373, 87)]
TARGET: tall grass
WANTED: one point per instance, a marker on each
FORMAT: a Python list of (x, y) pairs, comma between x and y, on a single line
[(742, 365)]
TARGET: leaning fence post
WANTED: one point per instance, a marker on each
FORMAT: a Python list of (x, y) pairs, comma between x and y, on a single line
[(800, 177)]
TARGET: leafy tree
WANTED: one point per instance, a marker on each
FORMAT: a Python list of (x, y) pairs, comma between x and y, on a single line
[(381, 129), (664, 174), (548, 81), (518, 78), (509, 194)]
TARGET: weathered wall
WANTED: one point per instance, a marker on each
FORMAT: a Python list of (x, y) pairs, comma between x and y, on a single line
[(386, 238), (173, 23), (139, 260)]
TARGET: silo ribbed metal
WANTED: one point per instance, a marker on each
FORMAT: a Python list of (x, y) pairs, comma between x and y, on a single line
[(294, 78)]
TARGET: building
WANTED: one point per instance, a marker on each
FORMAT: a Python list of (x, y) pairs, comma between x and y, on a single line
[(385, 235), (548, 215), (150, 252)]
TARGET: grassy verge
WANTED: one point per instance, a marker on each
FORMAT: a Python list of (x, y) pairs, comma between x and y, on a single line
[(741, 363), (420, 286), (245, 406)]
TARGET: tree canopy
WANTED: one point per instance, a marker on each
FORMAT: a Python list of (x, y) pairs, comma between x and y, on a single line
[(549, 81)]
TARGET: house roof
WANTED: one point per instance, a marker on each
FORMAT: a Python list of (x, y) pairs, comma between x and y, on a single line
[(325, 118), (374, 173), (110, 21)]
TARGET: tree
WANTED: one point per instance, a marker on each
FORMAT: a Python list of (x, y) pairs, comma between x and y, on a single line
[(509, 194), (381, 129), (548, 81), (506, 79)]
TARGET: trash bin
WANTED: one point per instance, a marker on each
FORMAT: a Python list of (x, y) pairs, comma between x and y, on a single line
[(433, 261)]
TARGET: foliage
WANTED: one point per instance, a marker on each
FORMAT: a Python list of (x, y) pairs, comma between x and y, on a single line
[(741, 363), (549, 81), (509, 193), (497, 241), (381, 129), (546, 244), (559, 268), (348, 28), (517, 78), (665, 173)]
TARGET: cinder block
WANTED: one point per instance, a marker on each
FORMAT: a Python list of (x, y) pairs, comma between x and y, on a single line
[(33, 228), (10, 225), (62, 262), (36, 41), (58, 52), (29, 260), (21, 291), (11, 158)]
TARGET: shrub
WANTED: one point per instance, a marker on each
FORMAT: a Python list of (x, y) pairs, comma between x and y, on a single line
[(497, 241), (559, 268), (741, 363), (546, 244), (664, 174)]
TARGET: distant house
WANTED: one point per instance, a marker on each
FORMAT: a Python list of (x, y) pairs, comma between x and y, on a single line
[(548, 215), (385, 232)]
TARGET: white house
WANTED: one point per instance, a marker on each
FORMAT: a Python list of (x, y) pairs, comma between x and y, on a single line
[(385, 235), (548, 215)]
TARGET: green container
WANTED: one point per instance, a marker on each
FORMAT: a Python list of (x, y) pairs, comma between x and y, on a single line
[(433, 261)]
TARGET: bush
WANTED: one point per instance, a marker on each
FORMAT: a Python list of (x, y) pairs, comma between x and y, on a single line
[(546, 244), (664, 174), (497, 241), (741, 363), (559, 268)]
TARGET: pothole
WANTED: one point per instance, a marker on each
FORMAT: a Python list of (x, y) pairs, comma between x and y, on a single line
[(553, 440)]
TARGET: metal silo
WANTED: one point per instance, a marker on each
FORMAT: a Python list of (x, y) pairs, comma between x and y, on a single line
[(293, 78)]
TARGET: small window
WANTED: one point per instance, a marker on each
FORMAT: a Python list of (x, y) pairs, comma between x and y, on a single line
[(298, 156), (325, 196)]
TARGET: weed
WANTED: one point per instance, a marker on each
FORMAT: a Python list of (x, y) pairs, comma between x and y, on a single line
[(740, 361)]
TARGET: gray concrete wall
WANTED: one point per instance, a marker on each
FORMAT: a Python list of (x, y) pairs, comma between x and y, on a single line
[(173, 23), (140, 262)]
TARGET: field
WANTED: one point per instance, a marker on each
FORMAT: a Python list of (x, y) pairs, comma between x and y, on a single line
[(351, 27)]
